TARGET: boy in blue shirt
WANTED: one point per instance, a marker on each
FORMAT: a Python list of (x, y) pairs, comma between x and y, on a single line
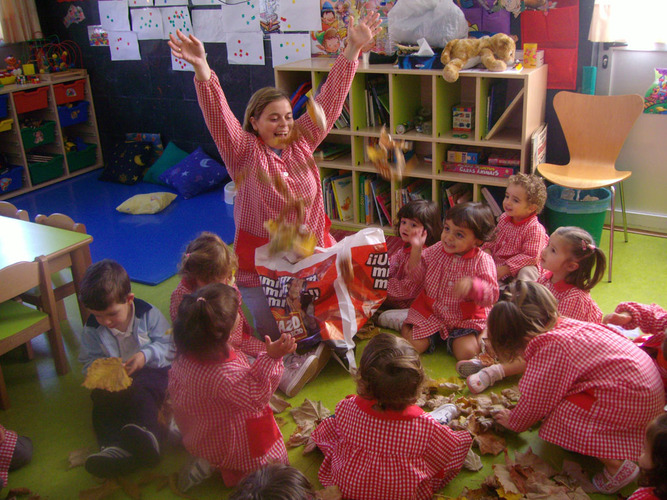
[(125, 422)]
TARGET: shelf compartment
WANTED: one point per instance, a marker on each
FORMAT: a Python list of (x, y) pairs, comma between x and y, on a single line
[(31, 100), (409, 93), (76, 160), (69, 92), (73, 114), (38, 136), (4, 109), (42, 171)]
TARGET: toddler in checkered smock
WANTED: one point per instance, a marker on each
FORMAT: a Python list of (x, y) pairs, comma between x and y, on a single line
[(459, 284), (593, 390), (571, 266), (220, 401), (379, 445), (653, 462)]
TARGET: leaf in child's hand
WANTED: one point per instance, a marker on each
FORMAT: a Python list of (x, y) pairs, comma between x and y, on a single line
[(278, 404), (78, 457), (489, 443), (316, 113), (108, 374), (329, 493)]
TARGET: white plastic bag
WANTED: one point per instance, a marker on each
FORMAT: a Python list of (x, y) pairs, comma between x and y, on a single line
[(439, 21), (310, 299)]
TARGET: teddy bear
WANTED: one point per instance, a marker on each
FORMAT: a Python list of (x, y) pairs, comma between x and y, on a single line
[(493, 52)]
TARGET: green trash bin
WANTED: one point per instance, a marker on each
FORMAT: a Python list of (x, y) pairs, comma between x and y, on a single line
[(588, 215)]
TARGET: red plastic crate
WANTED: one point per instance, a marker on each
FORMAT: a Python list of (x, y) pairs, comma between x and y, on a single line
[(30, 100), (69, 91)]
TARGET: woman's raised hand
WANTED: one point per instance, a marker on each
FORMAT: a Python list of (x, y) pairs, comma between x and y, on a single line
[(191, 50), (359, 34)]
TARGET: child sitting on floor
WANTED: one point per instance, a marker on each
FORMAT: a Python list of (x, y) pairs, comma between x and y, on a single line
[(459, 284), (207, 259), (593, 390), (121, 326), (519, 237), (651, 319), (15, 452), (220, 401), (653, 462), (418, 224), (572, 265), (274, 482), (379, 444)]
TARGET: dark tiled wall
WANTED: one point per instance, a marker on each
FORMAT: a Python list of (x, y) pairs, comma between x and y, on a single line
[(146, 95)]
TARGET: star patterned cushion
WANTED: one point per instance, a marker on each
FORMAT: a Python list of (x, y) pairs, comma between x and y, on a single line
[(196, 173), (128, 162)]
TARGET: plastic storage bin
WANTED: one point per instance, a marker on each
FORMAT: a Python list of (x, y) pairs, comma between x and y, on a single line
[(73, 114), (588, 215), (69, 92), (42, 171), (30, 100), (11, 179), (4, 110), (76, 160), (6, 124), (39, 136)]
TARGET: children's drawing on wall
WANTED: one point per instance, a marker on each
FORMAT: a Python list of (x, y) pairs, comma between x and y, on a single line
[(268, 16), (289, 47), (147, 23), (208, 25), (74, 15), (299, 15), (655, 100), (241, 17), (124, 46), (245, 48), (173, 19), (140, 3), (114, 15), (97, 36)]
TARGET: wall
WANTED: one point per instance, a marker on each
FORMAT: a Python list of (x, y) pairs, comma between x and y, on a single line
[(146, 95)]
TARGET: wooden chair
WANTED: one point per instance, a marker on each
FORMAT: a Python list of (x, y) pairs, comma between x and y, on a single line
[(595, 128), (19, 323), (63, 281), (9, 210)]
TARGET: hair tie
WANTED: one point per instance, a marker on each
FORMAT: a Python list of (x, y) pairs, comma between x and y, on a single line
[(187, 255), (587, 246), (201, 299)]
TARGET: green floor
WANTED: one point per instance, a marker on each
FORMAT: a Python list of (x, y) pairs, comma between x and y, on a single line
[(55, 411)]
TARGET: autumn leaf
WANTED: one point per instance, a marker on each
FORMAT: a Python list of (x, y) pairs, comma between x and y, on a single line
[(529, 459), (472, 461), (100, 492), (489, 443), (300, 436), (310, 412), (573, 471), (78, 457), (278, 404), (131, 489), (108, 374), (368, 331)]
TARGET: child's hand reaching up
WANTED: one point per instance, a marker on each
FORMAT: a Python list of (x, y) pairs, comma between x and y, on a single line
[(619, 319), (284, 345)]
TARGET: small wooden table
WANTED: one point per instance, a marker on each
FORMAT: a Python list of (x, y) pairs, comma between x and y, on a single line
[(25, 241)]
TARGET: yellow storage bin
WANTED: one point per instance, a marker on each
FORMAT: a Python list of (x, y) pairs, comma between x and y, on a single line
[(6, 125)]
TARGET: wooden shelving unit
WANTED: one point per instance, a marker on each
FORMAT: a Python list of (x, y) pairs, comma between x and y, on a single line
[(20, 152), (408, 91)]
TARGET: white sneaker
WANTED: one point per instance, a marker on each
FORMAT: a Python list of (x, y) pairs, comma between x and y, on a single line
[(445, 413), (194, 472), (393, 318), (302, 368)]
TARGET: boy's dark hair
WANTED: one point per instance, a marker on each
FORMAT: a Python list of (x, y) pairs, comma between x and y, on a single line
[(592, 261), (656, 476), (527, 309), (205, 320), (425, 212), (477, 217), (207, 258), (105, 283), (274, 482), (258, 102), (390, 372), (536, 190)]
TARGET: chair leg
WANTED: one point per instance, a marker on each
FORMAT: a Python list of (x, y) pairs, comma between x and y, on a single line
[(29, 351), (4, 396), (625, 218), (611, 228), (58, 351)]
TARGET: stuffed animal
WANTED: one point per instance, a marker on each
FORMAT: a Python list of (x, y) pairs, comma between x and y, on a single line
[(493, 52)]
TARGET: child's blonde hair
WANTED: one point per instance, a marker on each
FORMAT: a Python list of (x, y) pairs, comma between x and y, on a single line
[(656, 437), (477, 217), (205, 321), (258, 102), (592, 261), (207, 259), (536, 190), (425, 212), (104, 284), (390, 372), (527, 309)]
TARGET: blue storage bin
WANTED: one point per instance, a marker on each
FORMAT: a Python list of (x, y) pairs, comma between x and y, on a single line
[(77, 113), (11, 179), (4, 111)]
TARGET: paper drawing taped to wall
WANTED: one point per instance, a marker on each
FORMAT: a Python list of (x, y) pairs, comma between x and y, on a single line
[(208, 25), (178, 64), (114, 15), (124, 46), (175, 18), (241, 17), (162, 3), (299, 15), (147, 24), (289, 47), (140, 3), (245, 48)]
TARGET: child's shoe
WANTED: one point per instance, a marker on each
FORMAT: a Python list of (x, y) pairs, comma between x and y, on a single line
[(112, 461), (608, 484), (302, 368), (194, 472), (393, 318), (445, 413), (142, 443), (486, 377), (468, 367)]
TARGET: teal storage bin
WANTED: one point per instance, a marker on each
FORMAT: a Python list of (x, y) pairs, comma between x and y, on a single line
[(588, 215)]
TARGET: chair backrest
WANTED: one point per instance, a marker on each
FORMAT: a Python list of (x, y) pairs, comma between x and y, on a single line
[(9, 210), (61, 221), (18, 278), (595, 127)]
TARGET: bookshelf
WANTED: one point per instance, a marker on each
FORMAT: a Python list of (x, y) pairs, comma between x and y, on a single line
[(409, 90)]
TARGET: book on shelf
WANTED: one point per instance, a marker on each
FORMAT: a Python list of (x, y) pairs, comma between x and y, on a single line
[(504, 159), (464, 155), (538, 144), (487, 170), (505, 116), (497, 103), (377, 92), (328, 151), (454, 191), (494, 196), (343, 120), (382, 197), (342, 188)]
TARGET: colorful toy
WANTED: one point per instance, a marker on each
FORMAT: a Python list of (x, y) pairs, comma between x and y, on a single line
[(495, 53)]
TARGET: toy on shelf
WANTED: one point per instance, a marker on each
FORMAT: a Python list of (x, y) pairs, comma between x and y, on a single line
[(55, 56), (380, 155)]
